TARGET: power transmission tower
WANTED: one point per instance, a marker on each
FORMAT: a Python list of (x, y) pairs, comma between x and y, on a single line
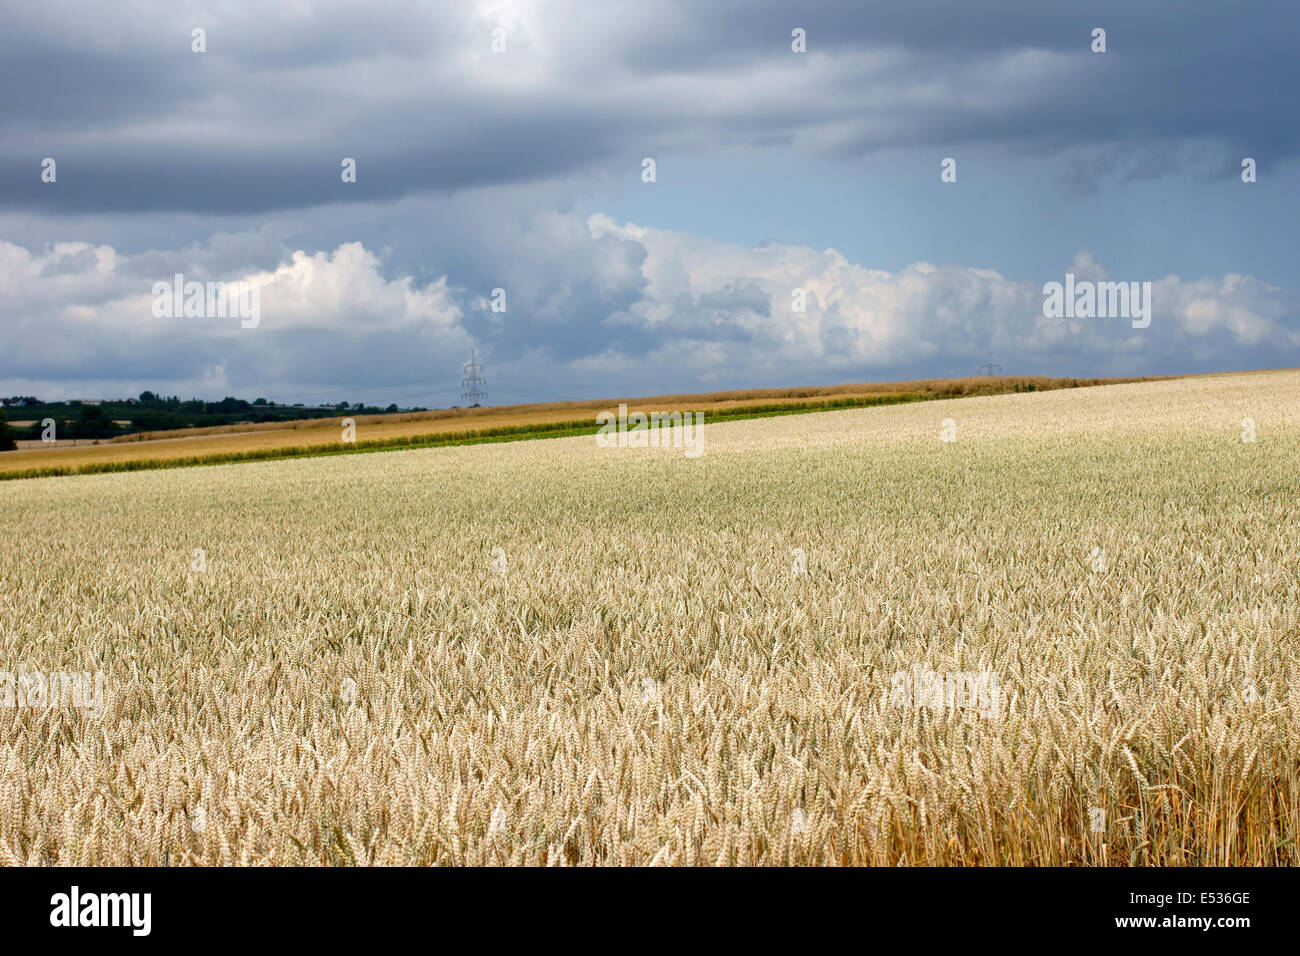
[(473, 382), (988, 368)]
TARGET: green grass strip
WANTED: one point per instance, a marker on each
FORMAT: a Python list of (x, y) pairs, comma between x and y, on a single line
[(503, 433)]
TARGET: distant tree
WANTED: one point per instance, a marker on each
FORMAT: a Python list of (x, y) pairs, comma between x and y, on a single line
[(93, 423), (259, 401), (147, 397), (391, 408), (6, 436)]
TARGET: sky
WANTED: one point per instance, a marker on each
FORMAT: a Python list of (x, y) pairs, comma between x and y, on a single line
[(503, 146)]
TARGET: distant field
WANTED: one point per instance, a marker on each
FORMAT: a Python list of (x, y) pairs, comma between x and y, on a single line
[(270, 440), (36, 444), (1068, 636)]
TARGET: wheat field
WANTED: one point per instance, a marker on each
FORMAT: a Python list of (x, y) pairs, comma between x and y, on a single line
[(182, 447), (552, 653)]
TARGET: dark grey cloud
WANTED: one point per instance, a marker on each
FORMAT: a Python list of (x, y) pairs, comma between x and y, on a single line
[(261, 121), (226, 165)]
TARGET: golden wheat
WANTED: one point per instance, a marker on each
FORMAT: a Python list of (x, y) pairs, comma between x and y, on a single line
[(555, 653), (323, 435)]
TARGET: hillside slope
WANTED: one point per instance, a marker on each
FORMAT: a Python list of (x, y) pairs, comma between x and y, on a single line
[(1071, 635)]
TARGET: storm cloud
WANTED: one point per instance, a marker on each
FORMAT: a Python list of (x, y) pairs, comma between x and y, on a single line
[(472, 164)]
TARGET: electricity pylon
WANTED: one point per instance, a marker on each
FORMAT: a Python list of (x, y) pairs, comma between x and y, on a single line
[(473, 382)]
